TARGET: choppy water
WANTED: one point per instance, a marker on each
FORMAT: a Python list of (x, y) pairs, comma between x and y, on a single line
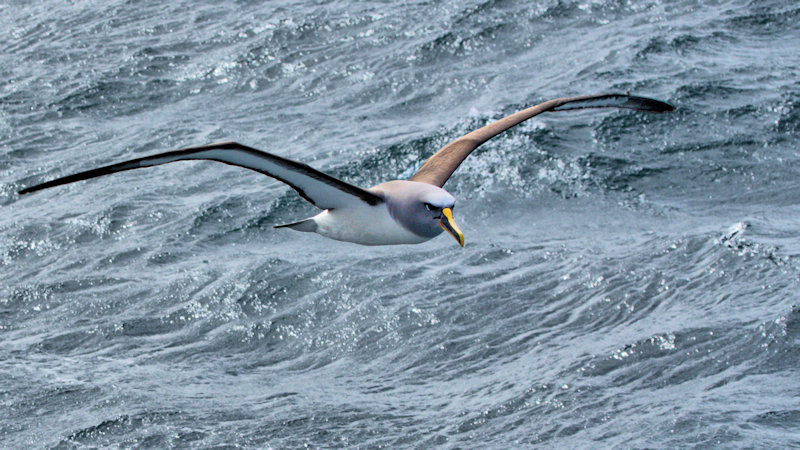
[(628, 280)]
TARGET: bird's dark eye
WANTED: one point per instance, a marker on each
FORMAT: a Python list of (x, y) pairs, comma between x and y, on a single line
[(430, 207)]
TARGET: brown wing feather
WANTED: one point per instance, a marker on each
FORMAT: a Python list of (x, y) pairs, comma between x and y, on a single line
[(439, 167)]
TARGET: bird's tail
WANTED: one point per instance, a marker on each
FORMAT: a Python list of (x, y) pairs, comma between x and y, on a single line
[(307, 225)]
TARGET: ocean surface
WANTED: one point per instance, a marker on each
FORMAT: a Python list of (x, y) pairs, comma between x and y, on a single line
[(628, 279)]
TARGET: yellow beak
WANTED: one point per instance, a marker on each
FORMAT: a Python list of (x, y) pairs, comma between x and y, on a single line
[(449, 225)]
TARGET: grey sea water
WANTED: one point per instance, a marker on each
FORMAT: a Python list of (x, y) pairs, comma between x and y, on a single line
[(628, 279)]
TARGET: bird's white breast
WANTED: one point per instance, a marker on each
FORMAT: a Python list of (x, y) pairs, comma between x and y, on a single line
[(366, 225)]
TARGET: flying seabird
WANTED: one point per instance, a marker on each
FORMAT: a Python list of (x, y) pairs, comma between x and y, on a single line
[(396, 212)]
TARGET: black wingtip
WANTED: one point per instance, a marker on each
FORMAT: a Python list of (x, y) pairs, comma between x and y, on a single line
[(626, 101), (52, 183), (81, 176), (648, 104), (34, 188)]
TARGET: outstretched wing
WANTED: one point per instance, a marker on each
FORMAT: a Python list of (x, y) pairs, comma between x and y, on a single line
[(322, 190), (438, 168)]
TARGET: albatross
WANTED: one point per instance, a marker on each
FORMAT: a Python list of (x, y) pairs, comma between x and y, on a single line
[(395, 212)]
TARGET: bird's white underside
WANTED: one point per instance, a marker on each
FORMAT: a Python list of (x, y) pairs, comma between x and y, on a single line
[(348, 224)]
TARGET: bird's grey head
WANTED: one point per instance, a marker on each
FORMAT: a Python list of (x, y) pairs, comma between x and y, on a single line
[(423, 209)]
